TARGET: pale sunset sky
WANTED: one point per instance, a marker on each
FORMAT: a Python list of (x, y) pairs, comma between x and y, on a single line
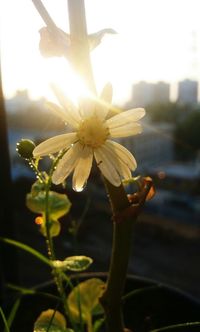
[(156, 40)]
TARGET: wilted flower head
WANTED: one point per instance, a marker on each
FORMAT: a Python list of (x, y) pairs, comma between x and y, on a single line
[(90, 138)]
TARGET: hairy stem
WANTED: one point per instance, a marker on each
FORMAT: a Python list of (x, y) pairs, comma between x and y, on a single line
[(50, 246), (122, 235), (49, 240)]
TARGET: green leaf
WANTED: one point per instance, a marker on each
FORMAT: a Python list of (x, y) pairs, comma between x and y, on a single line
[(31, 291), (13, 312), (85, 296), (54, 227), (74, 263), (78, 263), (4, 320), (28, 249), (22, 290), (59, 204), (51, 321), (131, 180), (98, 323), (37, 186)]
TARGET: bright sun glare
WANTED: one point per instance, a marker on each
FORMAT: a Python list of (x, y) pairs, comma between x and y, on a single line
[(156, 40), (58, 72)]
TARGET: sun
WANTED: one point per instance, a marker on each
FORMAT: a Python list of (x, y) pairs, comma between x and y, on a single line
[(146, 47), (59, 72)]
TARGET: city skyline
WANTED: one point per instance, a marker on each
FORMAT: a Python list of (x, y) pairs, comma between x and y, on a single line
[(156, 41), (142, 93)]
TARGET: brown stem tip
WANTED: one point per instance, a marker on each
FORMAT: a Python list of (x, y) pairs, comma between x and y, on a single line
[(137, 200)]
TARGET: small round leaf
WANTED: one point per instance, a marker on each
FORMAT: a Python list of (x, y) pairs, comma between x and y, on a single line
[(74, 263), (59, 204), (86, 294), (54, 227), (50, 320), (78, 263)]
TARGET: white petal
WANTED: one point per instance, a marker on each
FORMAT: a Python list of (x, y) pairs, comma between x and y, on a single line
[(54, 144), (73, 117), (106, 167), (107, 93), (90, 107), (103, 105), (67, 163), (57, 111), (126, 117), (122, 153), (86, 107), (82, 169), (120, 166), (130, 129), (101, 109)]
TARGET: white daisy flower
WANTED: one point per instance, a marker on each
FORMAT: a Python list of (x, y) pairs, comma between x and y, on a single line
[(90, 139)]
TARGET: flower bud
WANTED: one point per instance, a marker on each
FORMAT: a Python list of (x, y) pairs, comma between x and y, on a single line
[(25, 148)]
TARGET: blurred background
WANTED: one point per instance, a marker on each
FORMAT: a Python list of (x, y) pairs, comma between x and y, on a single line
[(154, 62)]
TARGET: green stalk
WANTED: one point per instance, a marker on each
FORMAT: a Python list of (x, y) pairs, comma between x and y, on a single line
[(4, 320), (28, 249), (180, 327), (49, 242)]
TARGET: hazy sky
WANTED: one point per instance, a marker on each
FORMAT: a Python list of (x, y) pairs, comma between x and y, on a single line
[(156, 40)]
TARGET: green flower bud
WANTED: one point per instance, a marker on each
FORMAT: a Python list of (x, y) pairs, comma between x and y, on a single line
[(25, 148)]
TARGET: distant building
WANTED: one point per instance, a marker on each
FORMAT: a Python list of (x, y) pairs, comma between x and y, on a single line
[(188, 92), (19, 102), (145, 93), (161, 92)]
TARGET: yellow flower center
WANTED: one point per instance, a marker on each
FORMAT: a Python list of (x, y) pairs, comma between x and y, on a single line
[(92, 132)]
